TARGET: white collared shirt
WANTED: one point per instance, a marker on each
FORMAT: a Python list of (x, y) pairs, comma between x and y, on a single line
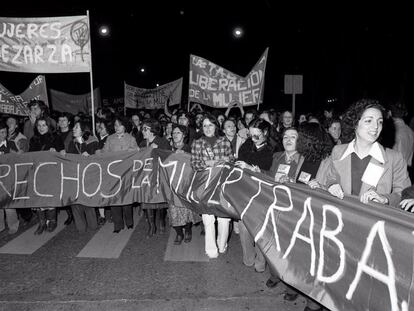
[(374, 152), (3, 143)]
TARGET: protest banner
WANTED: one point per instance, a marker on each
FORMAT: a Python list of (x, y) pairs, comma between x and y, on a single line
[(342, 253), (74, 104), (17, 104), (115, 103), (49, 44), (215, 86), (139, 98)]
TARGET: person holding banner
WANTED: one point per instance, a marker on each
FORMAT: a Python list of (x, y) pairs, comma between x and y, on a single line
[(136, 128), (15, 136), (152, 132), (363, 167), (83, 143), (45, 140), (286, 164), (255, 154), (180, 217), (9, 214), (66, 136), (38, 109), (209, 151), (121, 141)]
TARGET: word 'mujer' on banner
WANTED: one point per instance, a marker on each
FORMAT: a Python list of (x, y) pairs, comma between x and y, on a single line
[(139, 98), (17, 104), (74, 104), (49, 44), (212, 85), (342, 253)]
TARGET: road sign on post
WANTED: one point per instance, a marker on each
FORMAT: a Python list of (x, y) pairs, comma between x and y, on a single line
[(293, 85)]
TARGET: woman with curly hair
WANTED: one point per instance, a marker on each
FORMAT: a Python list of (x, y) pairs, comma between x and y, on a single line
[(363, 167), (315, 145)]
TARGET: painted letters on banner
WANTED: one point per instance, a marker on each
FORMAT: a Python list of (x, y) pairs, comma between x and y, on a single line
[(17, 104), (74, 103), (342, 253), (212, 85), (139, 98), (49, 44)]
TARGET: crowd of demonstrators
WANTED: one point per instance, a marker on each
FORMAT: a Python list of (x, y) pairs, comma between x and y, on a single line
[(346, 155)]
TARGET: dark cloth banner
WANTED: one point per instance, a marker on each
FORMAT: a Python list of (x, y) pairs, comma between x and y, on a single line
[(344, 254), (17, 104), (116, 103), (49, 44), (139, 98), (212, 85), (74, 104)]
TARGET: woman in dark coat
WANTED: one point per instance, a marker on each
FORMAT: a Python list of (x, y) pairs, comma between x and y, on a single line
[(45, 140), (83, 144), (151, 129)]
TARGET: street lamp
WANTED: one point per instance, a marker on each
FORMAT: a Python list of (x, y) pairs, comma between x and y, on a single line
[(104, 31), (142, 70), (238, 32)]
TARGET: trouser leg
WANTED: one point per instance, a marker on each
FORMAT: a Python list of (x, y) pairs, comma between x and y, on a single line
[(90, 215), (210, 235), (116, 212), (128, 215), (223, 233), (247, 245)]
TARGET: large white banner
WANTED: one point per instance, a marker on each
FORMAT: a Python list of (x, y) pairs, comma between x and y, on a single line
[(139, 98), (215, 86), (49, 44)]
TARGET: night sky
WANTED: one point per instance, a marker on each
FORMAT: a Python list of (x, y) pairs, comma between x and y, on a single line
[(342, 52)]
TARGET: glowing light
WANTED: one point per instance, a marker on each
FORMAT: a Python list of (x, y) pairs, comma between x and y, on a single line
[(238, 32), (104, 31)]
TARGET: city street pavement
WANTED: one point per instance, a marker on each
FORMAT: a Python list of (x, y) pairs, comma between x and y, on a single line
[(59, 275)]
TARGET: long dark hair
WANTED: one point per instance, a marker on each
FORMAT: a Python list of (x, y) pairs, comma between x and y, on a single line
[(314, 143), (212, 119)]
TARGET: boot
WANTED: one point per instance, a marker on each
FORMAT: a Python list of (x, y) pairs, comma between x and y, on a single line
[(180, 236), (150, 216), (51, 216), (188, 234), (69, 220), (41, 215)]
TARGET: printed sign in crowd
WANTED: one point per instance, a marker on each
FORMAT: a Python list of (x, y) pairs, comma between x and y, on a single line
[(50, 44), (116, 103), (74, 103), (138, 98), (344, 254), (212, 85), (17, 104)]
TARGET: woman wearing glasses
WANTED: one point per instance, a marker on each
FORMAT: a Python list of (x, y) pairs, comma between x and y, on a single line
[(256, 155)]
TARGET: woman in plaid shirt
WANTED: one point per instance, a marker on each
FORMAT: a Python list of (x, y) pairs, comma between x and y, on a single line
[(209, 151)]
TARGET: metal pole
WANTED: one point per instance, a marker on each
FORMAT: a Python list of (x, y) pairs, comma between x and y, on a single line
[(91, 78)]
